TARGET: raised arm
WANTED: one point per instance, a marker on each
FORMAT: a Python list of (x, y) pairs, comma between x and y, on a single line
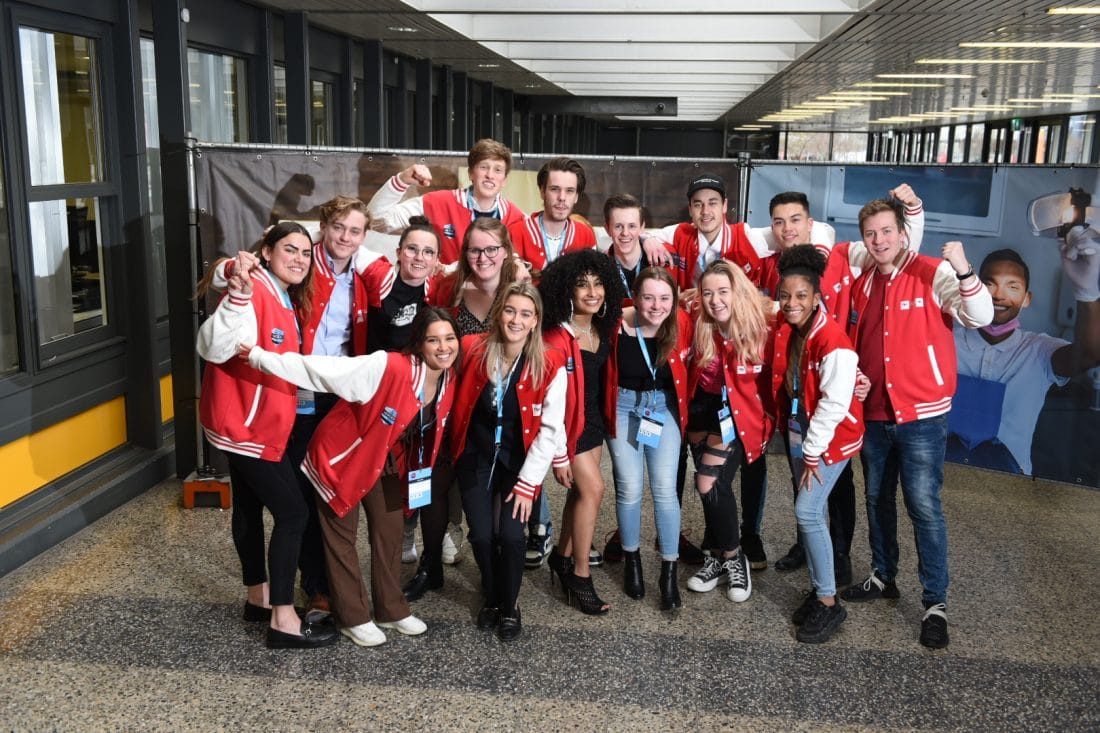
[(1081, 263), (353, 378), (388, 213), (967, 300)]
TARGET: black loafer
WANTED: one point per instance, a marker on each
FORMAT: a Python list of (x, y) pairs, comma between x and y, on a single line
[(793, 560), (487, 617), (312, 637), (419, 584), (510, 627), (255, 613)]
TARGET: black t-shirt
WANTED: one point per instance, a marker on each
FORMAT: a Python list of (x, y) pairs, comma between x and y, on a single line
[(634, 373), (481, 438), (388, 327)]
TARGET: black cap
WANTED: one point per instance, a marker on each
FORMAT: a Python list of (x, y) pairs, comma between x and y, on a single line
[(707, 180)]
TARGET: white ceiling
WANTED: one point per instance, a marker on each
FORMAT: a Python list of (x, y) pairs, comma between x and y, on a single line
[(736, 62)]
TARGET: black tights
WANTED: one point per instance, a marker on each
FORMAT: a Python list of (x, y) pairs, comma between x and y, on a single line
[(496, 538), (715, 469)]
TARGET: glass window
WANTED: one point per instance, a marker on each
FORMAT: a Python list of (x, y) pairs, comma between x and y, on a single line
[(359, 136), (850, 147), (61, 101), (977, 137), (943, 144), (155, 192), (807, 146), (281, 134), (69, 288), (322, 121), (958, 146), (1079, 138), (219, 97), (9, 338)]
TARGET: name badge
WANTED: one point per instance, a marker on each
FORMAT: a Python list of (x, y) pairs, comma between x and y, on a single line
[(649, 429), (794, 438), (306, 402), (725, 422), (420, 487)]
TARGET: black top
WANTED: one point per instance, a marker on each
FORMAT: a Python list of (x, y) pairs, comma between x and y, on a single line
[(634, 373), (627, 274), (419, 434), (480, 440), (388, 327)]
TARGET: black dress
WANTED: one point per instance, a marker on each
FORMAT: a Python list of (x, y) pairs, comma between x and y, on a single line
[(594, 431)]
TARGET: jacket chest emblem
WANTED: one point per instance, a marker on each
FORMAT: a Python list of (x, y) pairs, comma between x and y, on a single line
[(389, 416), (916, 303), (277, 336), (536, 409), (449, 231)]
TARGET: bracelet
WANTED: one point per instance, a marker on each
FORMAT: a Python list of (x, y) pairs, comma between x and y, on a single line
[(965, 275)]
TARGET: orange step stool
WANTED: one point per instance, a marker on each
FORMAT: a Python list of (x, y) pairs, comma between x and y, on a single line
[(194, 484)]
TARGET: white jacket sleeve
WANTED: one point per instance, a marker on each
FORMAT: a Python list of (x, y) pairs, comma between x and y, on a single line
[(353, 378), (837, 373), (231, 324), (542, 450), (388, 213), (970, 304), (662, 235)]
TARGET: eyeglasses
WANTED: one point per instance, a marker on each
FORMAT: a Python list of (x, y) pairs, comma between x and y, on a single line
[(489, 252), (426, 252)]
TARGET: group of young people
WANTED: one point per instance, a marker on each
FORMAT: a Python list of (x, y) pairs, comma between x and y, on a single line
[(499, 348)]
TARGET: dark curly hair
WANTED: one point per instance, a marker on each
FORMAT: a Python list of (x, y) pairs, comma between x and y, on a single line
[(561, 276), (804, 260)]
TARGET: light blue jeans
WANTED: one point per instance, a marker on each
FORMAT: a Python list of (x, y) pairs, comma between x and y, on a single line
[(811, 510), (628, 460)]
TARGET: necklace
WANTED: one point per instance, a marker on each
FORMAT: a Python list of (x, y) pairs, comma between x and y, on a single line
[(586, 331)]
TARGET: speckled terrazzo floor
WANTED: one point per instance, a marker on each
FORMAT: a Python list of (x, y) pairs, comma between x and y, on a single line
[(134, 625)]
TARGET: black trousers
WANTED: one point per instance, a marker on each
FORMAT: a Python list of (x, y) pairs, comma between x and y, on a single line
[(720, 503), (256, 485), (435, 515), (496, 539), (311, 561)]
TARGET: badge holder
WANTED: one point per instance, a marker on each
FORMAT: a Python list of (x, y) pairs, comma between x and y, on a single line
[(725, 420), (649, 427)]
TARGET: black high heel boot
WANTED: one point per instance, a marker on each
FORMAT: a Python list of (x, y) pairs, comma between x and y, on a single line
[(585, 593), (670, 588), (429, 576), (561, 566), (633, 584)]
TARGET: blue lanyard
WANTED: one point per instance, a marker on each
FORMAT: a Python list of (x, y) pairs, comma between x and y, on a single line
[(423, 430), (794, 392), (645, 351), (622, 275), (500, 388), (546, 238), (289, 305)]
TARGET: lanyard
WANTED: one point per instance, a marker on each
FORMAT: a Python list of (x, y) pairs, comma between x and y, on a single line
[(546, 239), (794, 390), (500, 388), (645, 353), (284, 296), (622, 274)]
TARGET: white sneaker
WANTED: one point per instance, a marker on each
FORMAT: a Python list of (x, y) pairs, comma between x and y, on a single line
[(451, 546), (408, 544), (409, 626), (740, 580), (364, 634)]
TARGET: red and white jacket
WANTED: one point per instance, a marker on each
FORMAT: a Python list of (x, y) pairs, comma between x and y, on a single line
[(827, 373), (379, 399), (564, 340), (922, 297), (243, 410), (748, 388), (735, 246), (445, 209), (542, 410), (677, 362), (530, 246)]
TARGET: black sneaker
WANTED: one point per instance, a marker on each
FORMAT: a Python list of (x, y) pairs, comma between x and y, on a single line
[(871, 590), (800, 613), (613, 547), (707, 577), (738, 578), (595, 559), (754, 551), (793, 560), (821, 623), (539, 543), (933, 628)]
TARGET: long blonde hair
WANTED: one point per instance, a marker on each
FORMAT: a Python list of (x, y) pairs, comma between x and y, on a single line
[(507, 267), (748, 324), (534, 350)]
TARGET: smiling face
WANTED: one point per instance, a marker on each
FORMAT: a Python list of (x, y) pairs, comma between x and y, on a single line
[(624, 226), (518, 318), (588, 294), (342, 236), (797, 299), (716, 291), (487, 179), (484, 254), (416, 258), (289, 258), (708, 211), (559, 196), (791, 225), (1008, 286), (654, 302), (440, 345), (884, 238)]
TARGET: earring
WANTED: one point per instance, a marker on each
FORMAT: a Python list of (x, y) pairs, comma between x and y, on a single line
[(603, 311), (570, 309)]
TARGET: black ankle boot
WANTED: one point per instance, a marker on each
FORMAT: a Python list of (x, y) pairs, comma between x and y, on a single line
[(670, 587), (633, 585), (425, 580)]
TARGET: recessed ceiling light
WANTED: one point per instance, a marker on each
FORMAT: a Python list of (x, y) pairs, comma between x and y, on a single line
[(903, 85), (1033, 44), (1044, 100), (1074, 11), (488, 66), (924, 76), (983, 108), (403, 29), (849, 98), (978, 61)]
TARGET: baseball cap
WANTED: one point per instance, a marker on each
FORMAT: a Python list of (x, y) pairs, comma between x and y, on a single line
[(707, 180)]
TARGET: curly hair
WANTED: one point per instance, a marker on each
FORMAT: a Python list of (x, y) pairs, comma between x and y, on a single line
[(560, 278), (803, 260)]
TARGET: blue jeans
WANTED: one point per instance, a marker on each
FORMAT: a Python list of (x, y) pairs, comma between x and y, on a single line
[(629, 458), (914, 452), (811, 509)]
